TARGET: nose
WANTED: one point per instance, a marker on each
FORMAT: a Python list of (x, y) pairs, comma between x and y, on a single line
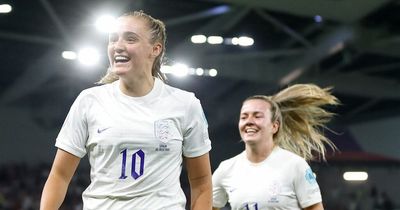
[(119, 46), (248, 121)]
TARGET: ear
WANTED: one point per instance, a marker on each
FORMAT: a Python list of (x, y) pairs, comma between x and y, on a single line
[(275, 127), (157, 48)]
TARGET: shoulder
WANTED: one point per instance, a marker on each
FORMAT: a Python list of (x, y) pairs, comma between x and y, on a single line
[(178, 94), (294, 162), (98, 89), (288, 155), (228, 164), (95, 91), (89, 96)]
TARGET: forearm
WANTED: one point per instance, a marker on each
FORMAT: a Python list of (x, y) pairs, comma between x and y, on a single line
[(199, 174), (201, 194), (53, 193), (56, 186), (317, 206)]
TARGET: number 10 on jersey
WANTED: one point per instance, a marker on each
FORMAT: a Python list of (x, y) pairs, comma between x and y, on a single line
[(137, 164)]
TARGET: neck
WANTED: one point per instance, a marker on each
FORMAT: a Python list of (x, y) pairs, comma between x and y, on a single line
[(260, 152), (137, 87)]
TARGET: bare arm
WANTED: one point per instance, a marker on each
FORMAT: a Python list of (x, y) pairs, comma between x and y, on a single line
[(199, 174), (56, 186), (317, 206)]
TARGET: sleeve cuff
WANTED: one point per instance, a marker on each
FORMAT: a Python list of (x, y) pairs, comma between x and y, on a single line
[(73, 151), (198, 152)]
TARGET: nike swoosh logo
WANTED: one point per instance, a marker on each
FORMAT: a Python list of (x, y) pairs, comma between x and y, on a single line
[(102, 130)]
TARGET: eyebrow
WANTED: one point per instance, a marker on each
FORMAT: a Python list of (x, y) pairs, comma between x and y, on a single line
[(125, 33), (130, 33), (251, 112)]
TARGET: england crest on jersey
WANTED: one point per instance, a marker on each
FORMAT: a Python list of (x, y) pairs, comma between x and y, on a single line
[(163, 129)]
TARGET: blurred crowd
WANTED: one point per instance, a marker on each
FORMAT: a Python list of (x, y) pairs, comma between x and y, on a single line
[(361, 199), (21, 186)]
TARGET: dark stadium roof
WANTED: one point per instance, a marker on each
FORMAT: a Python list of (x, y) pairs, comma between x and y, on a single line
[(355, 49)]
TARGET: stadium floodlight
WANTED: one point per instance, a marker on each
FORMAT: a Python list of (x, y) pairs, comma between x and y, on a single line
[(5, 8), (212, 72), (106, 23), (199, 71), (198, 39), (69, 55), (180, 70), (318, 19), (245, 41), (88, 56), (355, 175), (215, 40), (166, 69)]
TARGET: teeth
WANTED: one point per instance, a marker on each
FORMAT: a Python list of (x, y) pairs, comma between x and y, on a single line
[(250, 130), (121, 58)]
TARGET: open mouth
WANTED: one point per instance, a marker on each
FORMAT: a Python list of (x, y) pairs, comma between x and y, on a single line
[(250, 130), (121, 59)]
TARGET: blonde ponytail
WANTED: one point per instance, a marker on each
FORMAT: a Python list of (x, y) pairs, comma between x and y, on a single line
[(304, 119), (108, 78)]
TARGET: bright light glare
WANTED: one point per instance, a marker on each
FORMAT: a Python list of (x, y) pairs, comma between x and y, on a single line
[(5, 8), (199, 71), (235, 41), (180, 70), (166, 69), (318, 19), (106, 23), (88, 56), (215, 40), (355, 176), (245, 41), (212, 72), (69, 55), (198, 39)]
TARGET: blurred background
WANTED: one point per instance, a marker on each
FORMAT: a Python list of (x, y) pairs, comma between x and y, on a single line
[(223, 51)]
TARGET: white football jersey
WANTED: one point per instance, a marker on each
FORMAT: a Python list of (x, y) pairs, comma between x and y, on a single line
[(135, 145), (283, 181)]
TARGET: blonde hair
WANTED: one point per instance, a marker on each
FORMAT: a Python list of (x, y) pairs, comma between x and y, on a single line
[(158, 34), (301, 116)]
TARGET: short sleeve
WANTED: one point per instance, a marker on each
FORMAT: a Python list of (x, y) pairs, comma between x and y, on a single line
[(306, 186), (196, 140), (220, 197), (74, 133)]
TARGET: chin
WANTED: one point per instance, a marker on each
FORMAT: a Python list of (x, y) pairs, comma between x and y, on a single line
[(118, 72), (249, 140)]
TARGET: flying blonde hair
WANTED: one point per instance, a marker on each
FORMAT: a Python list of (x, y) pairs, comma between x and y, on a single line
[(299, 110), (158, 34)]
